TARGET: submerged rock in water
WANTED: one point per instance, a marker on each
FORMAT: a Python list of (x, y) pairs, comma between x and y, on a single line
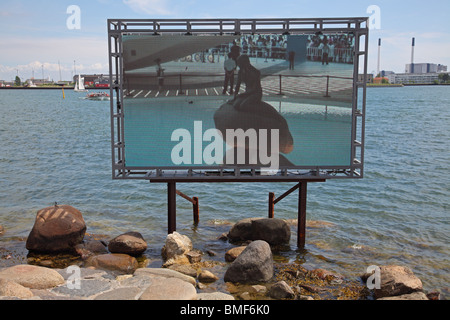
[(395, 281), (56, 229), (131, 243), (273, 231)]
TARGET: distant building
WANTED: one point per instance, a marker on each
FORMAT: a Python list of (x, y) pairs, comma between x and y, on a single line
[(421, 68), (4, 83), (413, 78), (380, 80), (441, 68), (369, 78), (385, 73), (39, 82), (94, 80)]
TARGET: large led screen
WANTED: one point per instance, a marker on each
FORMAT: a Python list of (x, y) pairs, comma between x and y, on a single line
[(267, 101)]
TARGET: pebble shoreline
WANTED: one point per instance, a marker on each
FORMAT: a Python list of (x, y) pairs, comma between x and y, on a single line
[(97, 273)]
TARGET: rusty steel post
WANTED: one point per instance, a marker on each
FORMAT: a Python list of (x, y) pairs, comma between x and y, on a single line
[(196, 210), (301, 235), (271, 205), (172, 206)]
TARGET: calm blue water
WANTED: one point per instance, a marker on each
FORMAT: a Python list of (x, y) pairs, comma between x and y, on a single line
[(59, 150)]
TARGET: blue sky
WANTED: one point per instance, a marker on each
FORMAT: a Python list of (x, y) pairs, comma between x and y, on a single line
[(35, 33)]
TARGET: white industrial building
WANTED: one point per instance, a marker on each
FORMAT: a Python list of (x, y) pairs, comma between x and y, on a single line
[(412, 78)]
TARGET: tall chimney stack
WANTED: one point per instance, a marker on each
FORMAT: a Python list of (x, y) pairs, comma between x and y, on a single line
[(379, 56), (412, 55)]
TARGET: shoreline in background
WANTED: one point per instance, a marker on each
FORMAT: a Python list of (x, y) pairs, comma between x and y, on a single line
[(49, 88), (369, 85)]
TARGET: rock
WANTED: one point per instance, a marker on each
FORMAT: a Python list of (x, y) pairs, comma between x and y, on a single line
[(122, 294), (164, 273), (233, 253), (115, 262), (184, 269), (434, 295), (10, 288), (311, 288), (194, 256), (131, 243), (207, 276), (223, 237), (89, 248), (84, 288), (258, 289), (395, 281), (2, 230), (327, 275), (273, 231), (281, 290), (33, 277), (410, 296), (214, 296), (211, 253), (254, 264), (245, 296), (56, 229), (241, 230), (176, 246), (169, 289)]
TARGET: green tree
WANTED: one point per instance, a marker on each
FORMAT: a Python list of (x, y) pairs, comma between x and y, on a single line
[(17, 82), (444, 77)]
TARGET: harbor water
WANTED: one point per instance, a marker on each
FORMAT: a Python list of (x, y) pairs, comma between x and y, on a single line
[(58, 150)]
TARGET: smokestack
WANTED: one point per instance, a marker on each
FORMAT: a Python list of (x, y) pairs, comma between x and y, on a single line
[(379, 56), (412, 54)]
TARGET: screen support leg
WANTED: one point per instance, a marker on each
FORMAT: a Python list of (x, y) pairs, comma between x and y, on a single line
[(172, 206), (302, 195)]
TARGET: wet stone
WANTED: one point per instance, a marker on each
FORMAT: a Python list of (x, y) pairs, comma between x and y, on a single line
[(85, 289)]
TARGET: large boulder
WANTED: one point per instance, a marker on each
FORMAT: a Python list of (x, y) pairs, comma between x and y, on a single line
[(32, 277), (56, 229), (273, 231), (131, 243), (254, 264), (241, 230)]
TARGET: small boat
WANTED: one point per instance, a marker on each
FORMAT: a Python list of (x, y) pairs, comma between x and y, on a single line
[(79, 86), (98, 96)]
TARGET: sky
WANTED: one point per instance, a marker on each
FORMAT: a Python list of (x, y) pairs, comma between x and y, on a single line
[(41, 37)]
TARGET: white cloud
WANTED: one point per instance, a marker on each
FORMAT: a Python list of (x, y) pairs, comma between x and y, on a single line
[(148, 6), (27, 54)]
